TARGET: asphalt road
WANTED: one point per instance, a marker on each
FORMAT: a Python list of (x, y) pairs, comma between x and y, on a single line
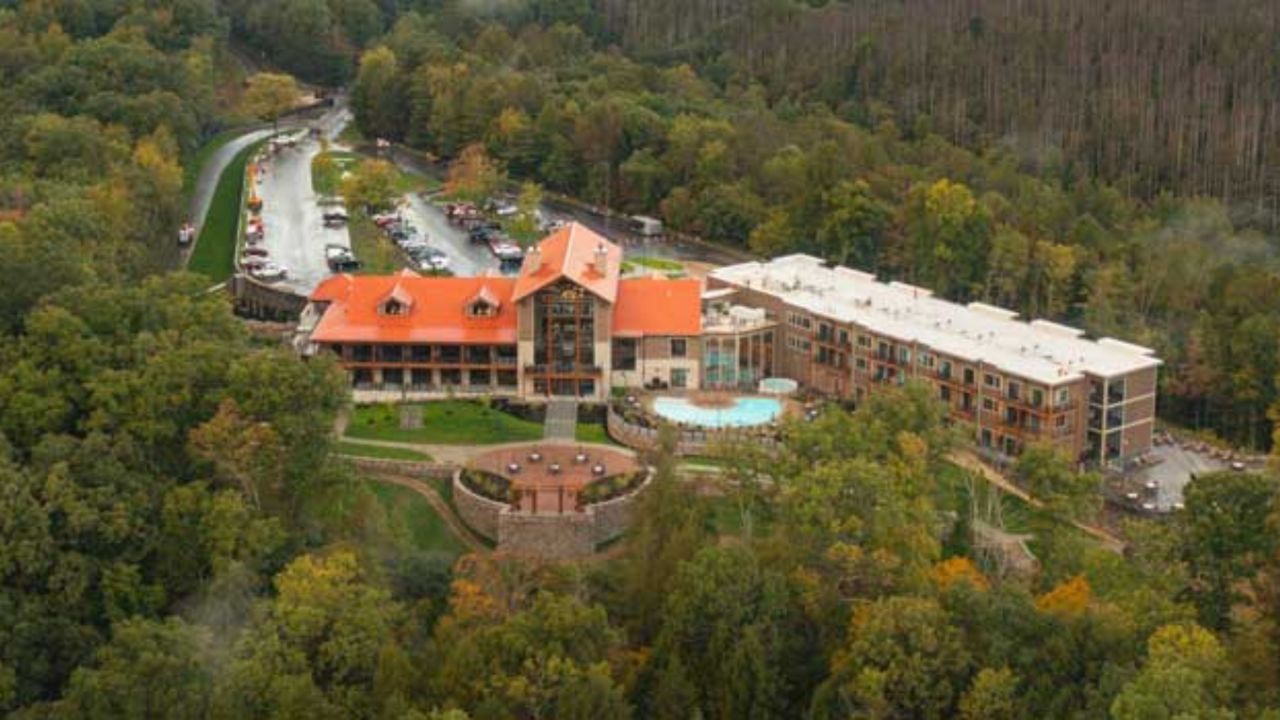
[(292, 218), (465, 257), (207, 182)]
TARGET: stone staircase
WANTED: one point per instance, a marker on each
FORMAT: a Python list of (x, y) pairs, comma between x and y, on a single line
[(562, 420)]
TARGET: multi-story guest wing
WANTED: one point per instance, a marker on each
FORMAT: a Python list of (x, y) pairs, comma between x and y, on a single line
[(566, 326), (842, 332)]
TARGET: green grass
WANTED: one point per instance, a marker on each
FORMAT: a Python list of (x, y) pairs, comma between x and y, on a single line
[(410, 515), (215, 251), (654, 263), (380, 452), (592, 433), (447, 422)]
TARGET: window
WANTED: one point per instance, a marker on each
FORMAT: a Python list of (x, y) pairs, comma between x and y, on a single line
[(1037, 397), (988, 404), (481, 308), (860, 363), (968, 376), (679, 378), (864, 341), (1064, 397), (991, 381), (624, 353), (904, 356), (944, 394), (1060, 421), (679, 347), (800, 321), (395, 307), (927, 360), (844, 337), (1015, 390), (944, 369)]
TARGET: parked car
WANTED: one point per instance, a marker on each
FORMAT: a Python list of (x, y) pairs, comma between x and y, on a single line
[(256, 251), (382, 220), (335, 219), (270, 272), (340, 258), (504, 249), (483, 233), (429, 258)]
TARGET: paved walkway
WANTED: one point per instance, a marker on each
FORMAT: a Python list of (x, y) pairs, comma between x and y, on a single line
[(562, 420)]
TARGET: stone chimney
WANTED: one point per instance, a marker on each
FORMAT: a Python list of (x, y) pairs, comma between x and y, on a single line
[(601, 262), (533, 259)]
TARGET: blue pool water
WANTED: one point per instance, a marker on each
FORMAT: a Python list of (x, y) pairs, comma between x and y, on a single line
[(744, 412)]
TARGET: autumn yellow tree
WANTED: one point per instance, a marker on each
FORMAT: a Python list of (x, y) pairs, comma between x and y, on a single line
[(474, 175)]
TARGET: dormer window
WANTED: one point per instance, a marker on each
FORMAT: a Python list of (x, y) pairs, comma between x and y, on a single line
[(481, 308), (483, 304), (396, 302), (394, 307)]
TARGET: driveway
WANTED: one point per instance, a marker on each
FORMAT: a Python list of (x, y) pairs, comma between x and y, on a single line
[(292, 218), (465, 257)]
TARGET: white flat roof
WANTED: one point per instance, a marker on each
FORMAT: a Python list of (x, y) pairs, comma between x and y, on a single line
[(1041, 351)]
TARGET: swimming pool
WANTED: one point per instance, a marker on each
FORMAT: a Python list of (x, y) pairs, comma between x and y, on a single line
[(744, 412)]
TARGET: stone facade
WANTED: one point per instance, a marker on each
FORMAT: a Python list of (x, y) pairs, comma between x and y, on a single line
[(565, 536), (479, 513)]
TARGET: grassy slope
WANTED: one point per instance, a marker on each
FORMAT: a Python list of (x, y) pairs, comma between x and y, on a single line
[(215, 250), (592, 433), (410, 516), (448, 422), (356, 449)]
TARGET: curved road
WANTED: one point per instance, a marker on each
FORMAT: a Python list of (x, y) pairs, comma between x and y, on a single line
[(207, 182)]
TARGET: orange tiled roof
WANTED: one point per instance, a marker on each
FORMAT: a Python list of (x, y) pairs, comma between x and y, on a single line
[(570, 253), (437, 309), (658, 306)]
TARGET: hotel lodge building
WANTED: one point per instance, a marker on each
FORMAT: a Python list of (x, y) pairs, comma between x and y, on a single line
[(570, 325)]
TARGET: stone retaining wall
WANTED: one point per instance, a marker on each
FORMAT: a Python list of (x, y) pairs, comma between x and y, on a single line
[(480, 513), (611, 518), (553, 537), (411, 468)]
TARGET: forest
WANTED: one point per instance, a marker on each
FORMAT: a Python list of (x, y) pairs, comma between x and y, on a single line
[(179, 540)]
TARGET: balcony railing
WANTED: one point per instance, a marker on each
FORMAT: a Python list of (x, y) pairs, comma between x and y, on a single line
[(564, 369)]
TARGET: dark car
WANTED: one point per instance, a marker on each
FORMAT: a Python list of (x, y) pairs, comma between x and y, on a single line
[(335, 219)]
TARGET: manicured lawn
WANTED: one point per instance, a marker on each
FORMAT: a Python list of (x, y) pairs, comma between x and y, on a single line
[(412, 517), (215, 249), (447, 422), (356, 449), (654, 263), (592, 433)]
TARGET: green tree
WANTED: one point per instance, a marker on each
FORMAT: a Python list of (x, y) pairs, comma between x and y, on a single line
[(270, 95), (1186, 675), (902, 659), (372, 187), (148, 669), (1226, 537), (853, 231), (378, 95)]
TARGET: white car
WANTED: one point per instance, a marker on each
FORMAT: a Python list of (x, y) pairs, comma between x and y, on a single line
[(269, 272)]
